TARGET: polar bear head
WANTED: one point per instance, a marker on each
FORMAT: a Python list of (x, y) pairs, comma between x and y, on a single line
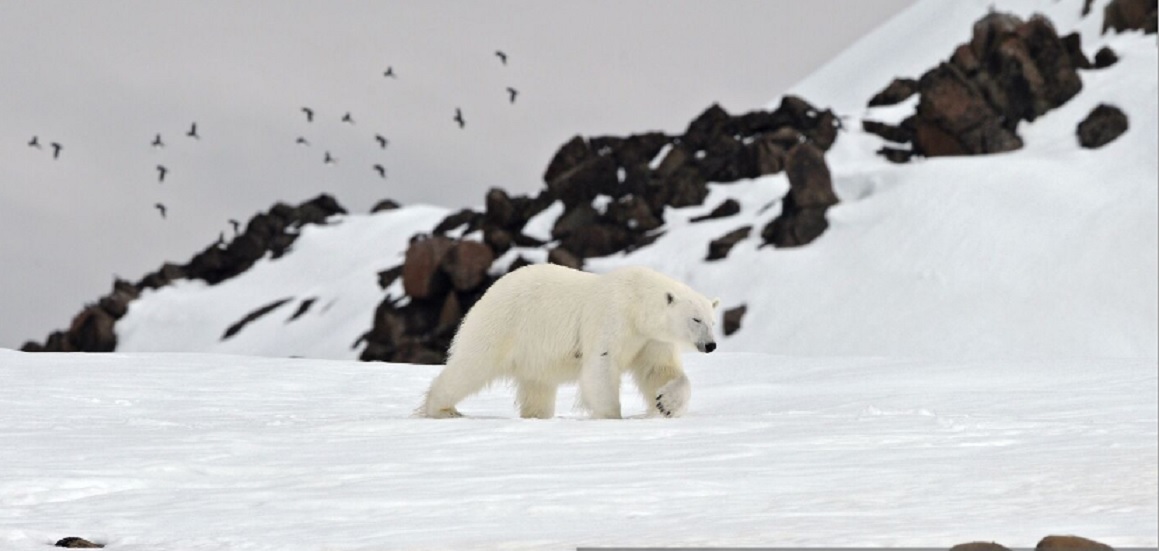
[(690, 319)]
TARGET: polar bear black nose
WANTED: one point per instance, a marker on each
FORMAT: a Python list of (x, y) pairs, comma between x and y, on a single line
[(709, 347)]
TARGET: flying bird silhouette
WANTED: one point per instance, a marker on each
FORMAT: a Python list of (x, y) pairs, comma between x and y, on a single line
[(389, 72), (512, 92), (329, 159), (382, 141), (236, 225), (459, 118), (502, 56), (161, 172), (309, 114), (157, 141), (302, 141), (348, 118), (55, 150), (381, 170), (193, 132), (160, 208), (34, 142)]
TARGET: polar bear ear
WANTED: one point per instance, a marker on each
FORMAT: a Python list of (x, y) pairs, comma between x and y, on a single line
[(715, 303), (670, 298)]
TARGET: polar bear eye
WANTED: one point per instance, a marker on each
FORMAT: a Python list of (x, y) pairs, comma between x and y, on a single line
[(697, 320)]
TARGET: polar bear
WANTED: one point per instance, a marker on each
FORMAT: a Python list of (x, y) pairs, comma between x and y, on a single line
[(544, 325)]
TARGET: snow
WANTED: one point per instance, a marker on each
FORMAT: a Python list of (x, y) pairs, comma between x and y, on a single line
[(969, 352), (206, 452), (539, 226)]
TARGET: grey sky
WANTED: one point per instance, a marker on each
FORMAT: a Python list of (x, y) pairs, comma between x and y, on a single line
[(102, 78)]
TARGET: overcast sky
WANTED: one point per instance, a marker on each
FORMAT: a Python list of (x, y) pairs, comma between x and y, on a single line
[(103, 78)]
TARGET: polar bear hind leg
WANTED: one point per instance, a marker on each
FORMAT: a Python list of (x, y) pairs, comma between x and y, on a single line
[(456, 382)]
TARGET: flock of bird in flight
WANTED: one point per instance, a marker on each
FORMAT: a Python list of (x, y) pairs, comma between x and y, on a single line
[(327, 158)]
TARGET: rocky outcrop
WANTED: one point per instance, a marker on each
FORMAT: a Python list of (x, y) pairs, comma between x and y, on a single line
[(1102, 126), (732, 319), (269, 233), (1010, 71), (614, 192)]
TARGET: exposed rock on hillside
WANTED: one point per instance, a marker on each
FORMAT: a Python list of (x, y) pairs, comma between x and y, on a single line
[(272, 233)]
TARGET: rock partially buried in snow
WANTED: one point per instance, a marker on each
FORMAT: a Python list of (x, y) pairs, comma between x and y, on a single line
[(1102, 126), (1070, 543), (1127, 15), (979, 546), (77, 543)]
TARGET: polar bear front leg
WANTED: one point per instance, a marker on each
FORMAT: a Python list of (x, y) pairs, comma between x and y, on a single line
[(672, 398), (600, 386)]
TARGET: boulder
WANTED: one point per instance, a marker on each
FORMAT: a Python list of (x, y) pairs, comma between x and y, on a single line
[(1130, 15), (467, 263), (1070, 543), (979, 546), (728, 207), (732, 319), (421, 276), (1104, 58), (1103, 125)]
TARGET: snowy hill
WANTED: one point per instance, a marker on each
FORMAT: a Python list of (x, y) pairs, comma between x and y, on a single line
[(1048, 251)]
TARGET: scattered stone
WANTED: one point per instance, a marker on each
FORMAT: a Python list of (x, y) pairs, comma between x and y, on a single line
[(421, 276), (732, 319), (385, 204), (728, 207), (467, 263), (1102, 126), (564, 257), (1070, 543), (1104, 58), (78, 543), (979, 546), (719, 248), (1131, 15), (252, 316)]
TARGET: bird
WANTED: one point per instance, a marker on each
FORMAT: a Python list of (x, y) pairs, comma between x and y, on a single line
[(157, 141), (309, 114), (348, 118), (459, 118), (502, 56), (236, 225), (160, 208), (329, 159), (161, 172), (381, 170), (512, 92), (193, 132), (34, 142), (55, 150), (302, 141), (382, 141), (389, 72)]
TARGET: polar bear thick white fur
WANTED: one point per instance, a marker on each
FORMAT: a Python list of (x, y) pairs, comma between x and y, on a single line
[(544, 325)]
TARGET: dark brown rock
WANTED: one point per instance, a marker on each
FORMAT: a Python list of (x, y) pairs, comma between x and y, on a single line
[(388, 276), (449, 316), (899, 90), (569, 155), (795, 226), (979, 546), (597, 240), (467, 263), (728, 207), (500, 210), (92, 331), (77, 543), (732, 319), (1128, 15), (564, 257), (385, 204), (256, 314), (1073, 44), (1103, 125), (719, 248), (464, 217), (498, 239), (583, 182), (633, 213), (1104, 58), (810, 184), (889, 132), (768, 154), (895, 154), (1070, 543), (705, 127), (421, 276)]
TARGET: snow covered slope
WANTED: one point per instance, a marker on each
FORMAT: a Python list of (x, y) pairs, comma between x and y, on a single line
[(209, 452), (1049, 251)]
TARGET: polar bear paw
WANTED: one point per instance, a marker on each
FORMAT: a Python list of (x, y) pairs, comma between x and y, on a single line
[(672, 398)]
